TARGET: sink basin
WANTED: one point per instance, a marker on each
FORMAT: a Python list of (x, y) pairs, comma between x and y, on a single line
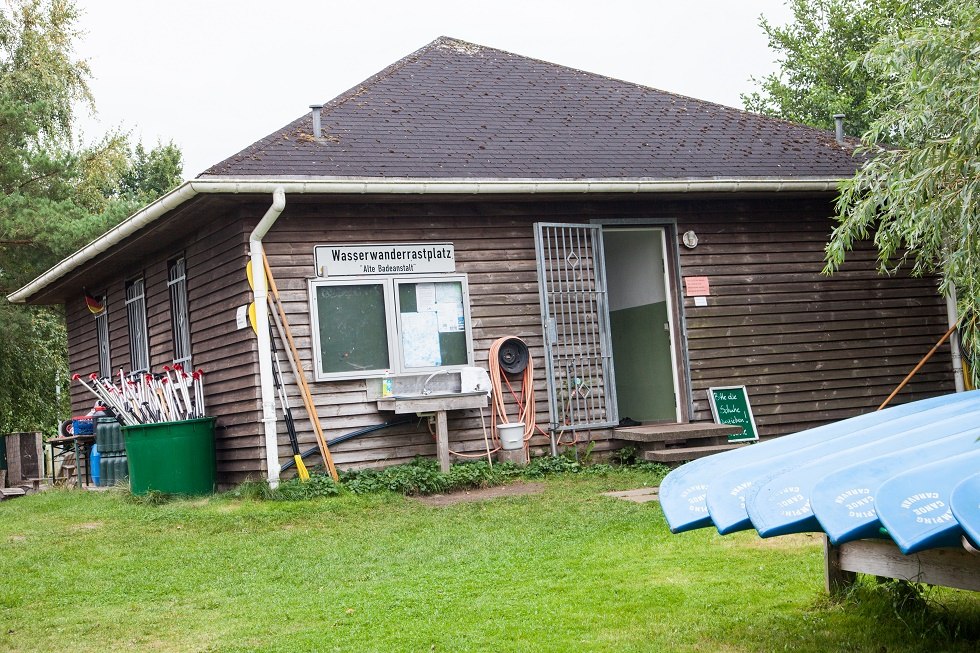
[(436, 394), (433, 402)]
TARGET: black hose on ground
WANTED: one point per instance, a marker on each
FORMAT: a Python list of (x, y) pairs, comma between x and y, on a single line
[(350, 436)]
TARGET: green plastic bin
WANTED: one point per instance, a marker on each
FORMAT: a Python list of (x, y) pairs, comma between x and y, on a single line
[(171, 457)]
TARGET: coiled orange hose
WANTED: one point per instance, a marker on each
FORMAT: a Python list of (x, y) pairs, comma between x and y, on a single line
[(525, 401)]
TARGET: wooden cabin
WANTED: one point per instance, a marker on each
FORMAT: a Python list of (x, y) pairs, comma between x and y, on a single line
[(644, 245)]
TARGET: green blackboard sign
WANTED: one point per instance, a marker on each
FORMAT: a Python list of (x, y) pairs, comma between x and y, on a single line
[(730, 405)]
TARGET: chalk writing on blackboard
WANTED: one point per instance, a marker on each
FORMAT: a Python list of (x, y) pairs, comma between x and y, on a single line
[(730, 405)]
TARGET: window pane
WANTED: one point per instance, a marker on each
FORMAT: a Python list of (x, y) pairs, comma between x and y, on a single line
[(353, 331), (432, 319), (178, 313), (139, 350), (102, 330)]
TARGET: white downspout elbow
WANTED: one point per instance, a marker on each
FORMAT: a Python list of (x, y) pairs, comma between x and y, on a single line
[(260, 290)]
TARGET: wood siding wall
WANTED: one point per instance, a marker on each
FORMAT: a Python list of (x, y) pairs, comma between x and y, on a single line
[(216, 287), (494, 247), (811, 349)]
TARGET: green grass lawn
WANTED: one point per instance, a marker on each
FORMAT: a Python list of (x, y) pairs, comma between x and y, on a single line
[(565, 570)]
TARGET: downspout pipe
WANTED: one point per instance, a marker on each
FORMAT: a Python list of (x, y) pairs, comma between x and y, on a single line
[(260, 292), (954, 342)]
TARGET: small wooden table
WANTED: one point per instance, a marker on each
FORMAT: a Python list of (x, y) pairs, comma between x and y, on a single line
[(437, 404), (73, 441)]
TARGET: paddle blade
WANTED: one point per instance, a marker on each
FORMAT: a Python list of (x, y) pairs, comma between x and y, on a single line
[(304, 475)]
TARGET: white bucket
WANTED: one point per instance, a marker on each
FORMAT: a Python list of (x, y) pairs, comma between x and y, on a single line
[(511, 435)]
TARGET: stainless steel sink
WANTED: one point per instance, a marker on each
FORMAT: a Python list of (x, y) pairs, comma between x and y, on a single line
[(432, 402), (435, 394)]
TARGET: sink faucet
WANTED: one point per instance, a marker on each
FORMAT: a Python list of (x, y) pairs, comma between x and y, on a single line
[(425, 390)]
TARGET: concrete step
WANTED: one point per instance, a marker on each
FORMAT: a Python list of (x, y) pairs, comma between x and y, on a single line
[(683, 454), (640, 495), (672, 431)]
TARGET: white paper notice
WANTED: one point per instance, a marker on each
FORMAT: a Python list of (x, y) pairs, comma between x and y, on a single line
[(450, 318), (700, 301), (241, 317), (420, 339), (450, 292), (425, 297), (450, 307)]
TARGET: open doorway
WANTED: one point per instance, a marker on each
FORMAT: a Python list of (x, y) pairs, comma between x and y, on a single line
[(641, 324)]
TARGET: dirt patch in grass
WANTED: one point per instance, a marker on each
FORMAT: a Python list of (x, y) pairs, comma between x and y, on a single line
[(89, 526), (483, 494), (793, 541)]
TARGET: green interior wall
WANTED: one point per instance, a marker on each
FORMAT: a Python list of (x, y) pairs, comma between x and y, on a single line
[(641, 350)]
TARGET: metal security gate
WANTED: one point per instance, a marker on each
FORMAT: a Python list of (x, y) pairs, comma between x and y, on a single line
[(575, 316)]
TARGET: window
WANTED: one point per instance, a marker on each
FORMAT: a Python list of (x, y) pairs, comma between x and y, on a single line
[(179, 321), (102, 333), (139, 348), (368, 326)]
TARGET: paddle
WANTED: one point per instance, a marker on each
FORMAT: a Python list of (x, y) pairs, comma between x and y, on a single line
[(287, 413)]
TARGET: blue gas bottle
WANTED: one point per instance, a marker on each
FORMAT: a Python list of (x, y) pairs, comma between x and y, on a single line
[(94, 460)]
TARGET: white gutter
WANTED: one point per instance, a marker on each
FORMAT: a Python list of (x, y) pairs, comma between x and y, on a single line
[(123, 230), (260, 295), (512, 186), (372, 186)]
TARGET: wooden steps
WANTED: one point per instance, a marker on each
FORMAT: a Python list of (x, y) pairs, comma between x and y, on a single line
[(11, 492), (671, 432), (684, 454), (673, 442)]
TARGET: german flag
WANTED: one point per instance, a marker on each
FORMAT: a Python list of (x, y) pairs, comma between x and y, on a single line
[(95, 305)]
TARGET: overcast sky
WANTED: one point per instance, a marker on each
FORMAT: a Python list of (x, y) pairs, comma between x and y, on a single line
[(215, 76)]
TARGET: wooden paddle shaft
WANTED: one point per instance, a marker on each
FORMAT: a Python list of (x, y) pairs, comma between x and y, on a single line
[(922, 362)]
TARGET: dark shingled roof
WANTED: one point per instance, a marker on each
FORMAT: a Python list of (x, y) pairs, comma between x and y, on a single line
[(455, 110)]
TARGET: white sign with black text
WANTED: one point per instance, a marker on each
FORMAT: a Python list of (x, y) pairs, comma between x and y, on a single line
[(397, 258)]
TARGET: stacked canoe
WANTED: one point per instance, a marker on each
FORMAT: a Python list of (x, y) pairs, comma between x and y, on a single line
[(911, 473)]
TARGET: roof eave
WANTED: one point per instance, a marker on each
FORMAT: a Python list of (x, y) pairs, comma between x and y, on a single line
[(405, 186)]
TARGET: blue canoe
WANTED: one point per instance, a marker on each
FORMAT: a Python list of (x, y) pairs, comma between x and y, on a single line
[(729, 493), (781, 505), (965, 504), (843, 502), (683, 492), (914, 505)]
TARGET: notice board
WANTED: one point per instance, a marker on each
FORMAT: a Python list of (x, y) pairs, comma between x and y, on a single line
[(730, 405)]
